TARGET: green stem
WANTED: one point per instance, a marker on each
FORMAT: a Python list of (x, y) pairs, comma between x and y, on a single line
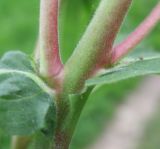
[(94, 49), (64, 134), (63, 110), (78, 102)]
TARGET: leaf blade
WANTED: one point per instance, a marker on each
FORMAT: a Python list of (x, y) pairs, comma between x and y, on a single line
[(25, 100), (16, 60), (23, 111), (135, 68)]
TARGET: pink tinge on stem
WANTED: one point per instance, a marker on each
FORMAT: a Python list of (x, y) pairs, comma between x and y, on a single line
[(49, 36), (137, 36), (55, 64)]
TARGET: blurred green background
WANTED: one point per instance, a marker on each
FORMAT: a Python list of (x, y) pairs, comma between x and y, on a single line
[(19, 30)]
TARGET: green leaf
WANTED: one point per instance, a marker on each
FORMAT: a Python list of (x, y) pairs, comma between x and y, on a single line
[(26, 102), (133, 68), (16, 60)]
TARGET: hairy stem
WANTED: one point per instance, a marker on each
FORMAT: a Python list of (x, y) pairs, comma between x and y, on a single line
[(138, 35), (50, 63), (94, 49), (63, 109), (65, 134), (95, 45), (61, 141), (78, 103)]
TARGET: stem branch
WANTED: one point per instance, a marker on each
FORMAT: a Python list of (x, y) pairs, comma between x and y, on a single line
[(138, 35), (94, 49), (50, 62)]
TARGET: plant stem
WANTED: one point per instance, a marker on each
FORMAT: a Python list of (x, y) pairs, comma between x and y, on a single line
[(68, 114), (96, 42), (63, 110), (65, 132), (50, 62), (138, 35), (77, 105), (94, 49), (61, 141), (20, 142)]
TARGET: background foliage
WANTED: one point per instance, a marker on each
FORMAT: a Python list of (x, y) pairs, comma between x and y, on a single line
[(19, 31)]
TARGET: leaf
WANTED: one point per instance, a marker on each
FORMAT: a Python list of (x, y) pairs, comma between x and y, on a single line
[(138, 67), (16, 60), (25, 100)]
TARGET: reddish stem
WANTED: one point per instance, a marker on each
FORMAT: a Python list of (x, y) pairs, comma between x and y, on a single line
[(137, 36), (49, 36)]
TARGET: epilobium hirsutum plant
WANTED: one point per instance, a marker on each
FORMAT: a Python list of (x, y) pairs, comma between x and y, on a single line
[(42, 99)]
